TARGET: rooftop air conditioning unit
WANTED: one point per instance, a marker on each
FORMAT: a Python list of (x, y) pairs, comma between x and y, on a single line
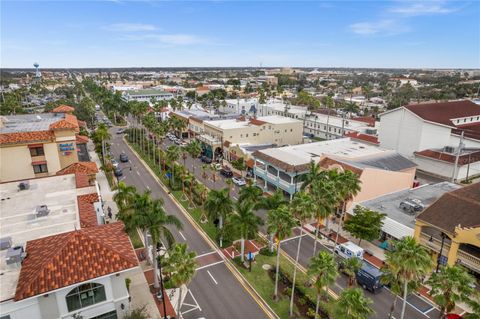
[(5, 243), (15, 255), (371, 131), (41, 211), (449, 149), (23, 186)]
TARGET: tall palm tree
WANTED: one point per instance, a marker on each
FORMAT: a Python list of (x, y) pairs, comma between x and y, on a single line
[(350, 267), (269, 203), (155, 220), (410, 261), (245, 222), (194, 149), (312, 175), (302, 208), (219, 206), (128, 214), (172, 155), (124, 195), (349, 186), (352, 304), (182, 265), (280, 223), (323, 269), (325, 197), (450, 285), (250, 194)]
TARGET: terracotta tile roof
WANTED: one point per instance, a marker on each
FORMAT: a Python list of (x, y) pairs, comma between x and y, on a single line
[(26, 137), (257, 122), (328, 162), (70, 258), (70, 122), (80, 167), (281, 164), (450, 158), (86, 210), (82, 180), (443, 112), (250, 163), (82, 139), (366, 119), (470, 130), (363, 137), (63, 109), (226, 143), (460, 207)]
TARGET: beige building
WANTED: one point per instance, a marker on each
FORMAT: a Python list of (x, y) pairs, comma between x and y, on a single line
[(39, 145), (276, 130)]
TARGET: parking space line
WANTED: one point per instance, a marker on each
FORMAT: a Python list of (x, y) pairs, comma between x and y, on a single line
[(216, 283), (182, 235)]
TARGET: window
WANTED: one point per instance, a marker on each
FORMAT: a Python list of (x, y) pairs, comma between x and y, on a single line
[(37, 151), (85, 295), (246, 135), (40, 168), (108, 315)]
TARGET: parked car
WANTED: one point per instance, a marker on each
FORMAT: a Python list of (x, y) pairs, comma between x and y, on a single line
[(120, 131), (216, 166), (206, 159), (369, 277), (123, 158), (118, 172), (240, 181), (349, 250), (114, 163), (226, 172)]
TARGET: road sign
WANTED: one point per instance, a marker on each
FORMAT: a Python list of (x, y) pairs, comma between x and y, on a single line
[(443, 260), (250, 256), (168, 175)]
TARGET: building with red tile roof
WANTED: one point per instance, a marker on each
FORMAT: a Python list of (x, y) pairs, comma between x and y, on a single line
[(63, 109), (363, 137), (86, 210)]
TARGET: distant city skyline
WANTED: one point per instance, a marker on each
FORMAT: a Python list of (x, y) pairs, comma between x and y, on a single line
[(363, 34)]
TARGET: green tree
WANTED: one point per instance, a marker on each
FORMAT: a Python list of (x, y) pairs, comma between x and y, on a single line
[(156, 221), (172, 155), (124, 195), (246, 223), (450, 285), (410, 262), (352, 304), (323, 269), (365, 224), (194, 149), (312, 175), (250, 194), (271, 202), (181, 264), (350, 268), (239, 164), (280, 223), (302, 208), (219, 206), (138, 313)]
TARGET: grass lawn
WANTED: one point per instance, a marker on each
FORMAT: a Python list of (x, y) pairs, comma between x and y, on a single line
[(135, 238)]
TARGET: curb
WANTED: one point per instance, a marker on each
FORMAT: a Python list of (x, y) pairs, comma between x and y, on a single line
[(240, 278)]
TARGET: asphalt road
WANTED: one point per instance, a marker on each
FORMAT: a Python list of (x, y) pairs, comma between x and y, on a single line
[(416, 308), (214, 291)]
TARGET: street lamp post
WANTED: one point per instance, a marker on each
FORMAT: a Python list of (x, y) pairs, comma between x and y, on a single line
[(159, 261), (441, 250)]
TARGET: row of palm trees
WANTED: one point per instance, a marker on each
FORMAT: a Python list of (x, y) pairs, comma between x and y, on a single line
[(141, 211)]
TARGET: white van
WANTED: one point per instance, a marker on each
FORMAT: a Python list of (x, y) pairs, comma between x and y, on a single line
[(349, 250)]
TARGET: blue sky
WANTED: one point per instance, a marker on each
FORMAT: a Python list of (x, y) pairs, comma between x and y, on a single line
[(429, 34)]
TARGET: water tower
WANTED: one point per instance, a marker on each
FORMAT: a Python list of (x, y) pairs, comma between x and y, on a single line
[(38, 75)]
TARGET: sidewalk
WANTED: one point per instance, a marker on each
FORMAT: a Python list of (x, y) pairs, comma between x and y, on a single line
[(105, 192)]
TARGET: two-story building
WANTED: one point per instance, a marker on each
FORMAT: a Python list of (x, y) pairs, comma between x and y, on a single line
[(147, 95)]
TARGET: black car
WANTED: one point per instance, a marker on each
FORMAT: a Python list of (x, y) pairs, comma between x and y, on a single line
[(226, 172), (123, 158), (118, 172), (206, 159)]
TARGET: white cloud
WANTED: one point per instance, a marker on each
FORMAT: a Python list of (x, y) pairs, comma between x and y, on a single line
[(412, 9), (382, 28), (168, 39), (130, 27)]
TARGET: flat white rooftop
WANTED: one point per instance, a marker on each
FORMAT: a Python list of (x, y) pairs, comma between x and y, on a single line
[(18, 219), (236, 124), (343, 148), (28, 122)]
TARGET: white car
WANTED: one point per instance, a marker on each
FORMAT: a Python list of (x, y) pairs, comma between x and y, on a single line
[(114, 163), (239, 181)]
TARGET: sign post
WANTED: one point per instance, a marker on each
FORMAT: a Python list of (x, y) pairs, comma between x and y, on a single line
[(250, 258)]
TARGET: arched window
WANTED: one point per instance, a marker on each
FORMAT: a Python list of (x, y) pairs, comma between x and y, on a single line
[(85, 295)]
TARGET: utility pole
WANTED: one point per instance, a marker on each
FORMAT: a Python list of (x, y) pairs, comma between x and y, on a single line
[(457, 156)]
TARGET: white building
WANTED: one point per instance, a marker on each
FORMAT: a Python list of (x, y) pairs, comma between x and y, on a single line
[(146, 95), (56, 260), (430, 135)]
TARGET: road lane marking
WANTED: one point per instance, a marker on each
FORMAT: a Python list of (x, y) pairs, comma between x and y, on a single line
[(216, 283), (138, 173), (209, 265), (292, 238), (209, 253), (180, 233)]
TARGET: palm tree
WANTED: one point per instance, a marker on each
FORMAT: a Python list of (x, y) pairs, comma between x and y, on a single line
[(302, 208), (205, 168), (128, 214), (312, 175), (410, 261), (250, 194), (450, 285), (269, 203), (229, 183), (245, 222), (349, 185), (155, 220), (219, 206), (194, 149), (280, 223), (350, 267), (323, 269), (182, 265), (172, 155), (124, 195), (325, 197), (352, 304)]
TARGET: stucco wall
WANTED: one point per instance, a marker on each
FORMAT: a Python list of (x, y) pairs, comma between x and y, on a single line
[(15, 163), (27, 308)]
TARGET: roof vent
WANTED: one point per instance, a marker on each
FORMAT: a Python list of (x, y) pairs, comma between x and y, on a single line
[(15, 255), (23, 186), (41, 211), (5, 243), (449, 149), (38, 118)]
